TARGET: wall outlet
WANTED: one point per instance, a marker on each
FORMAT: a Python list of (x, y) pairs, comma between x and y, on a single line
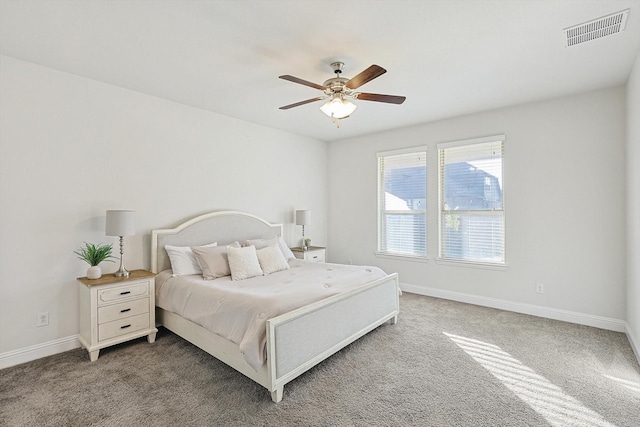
[(42, 319), (540, 288)]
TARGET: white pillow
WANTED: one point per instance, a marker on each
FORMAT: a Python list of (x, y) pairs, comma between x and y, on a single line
[(263, 243), (183, 261), (285, 249), (271, 259), (213, 261), (243, 263)]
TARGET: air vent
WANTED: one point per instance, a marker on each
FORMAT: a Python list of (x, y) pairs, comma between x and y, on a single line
[(601, 27)]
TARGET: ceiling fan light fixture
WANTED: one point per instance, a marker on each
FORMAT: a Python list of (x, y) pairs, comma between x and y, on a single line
[(338, 107)]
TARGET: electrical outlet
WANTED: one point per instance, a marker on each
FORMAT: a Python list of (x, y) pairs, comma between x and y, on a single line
[(42, 319), (540, 288)]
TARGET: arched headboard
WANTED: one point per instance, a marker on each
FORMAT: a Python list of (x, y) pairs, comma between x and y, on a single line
[(223, 227)]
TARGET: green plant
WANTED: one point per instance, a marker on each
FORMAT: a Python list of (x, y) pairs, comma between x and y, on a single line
[(94, 254)]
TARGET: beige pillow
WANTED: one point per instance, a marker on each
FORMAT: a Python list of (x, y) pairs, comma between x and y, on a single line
[(213, 260), (271, 259), (263, 243), (243, 262)]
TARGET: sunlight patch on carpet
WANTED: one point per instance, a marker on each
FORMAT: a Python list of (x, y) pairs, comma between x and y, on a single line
[(544, 397), (631, 385)]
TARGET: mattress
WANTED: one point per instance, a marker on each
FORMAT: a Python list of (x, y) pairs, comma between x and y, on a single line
[(238, 310)]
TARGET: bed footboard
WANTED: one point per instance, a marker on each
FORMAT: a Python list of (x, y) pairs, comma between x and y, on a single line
[(336, 322)]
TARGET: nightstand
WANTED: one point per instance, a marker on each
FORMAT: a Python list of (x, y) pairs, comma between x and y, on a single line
[(314, 253), (116, 309)]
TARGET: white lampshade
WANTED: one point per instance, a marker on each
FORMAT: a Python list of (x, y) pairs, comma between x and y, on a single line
[(338, 107), (303, 217), (120, 223)]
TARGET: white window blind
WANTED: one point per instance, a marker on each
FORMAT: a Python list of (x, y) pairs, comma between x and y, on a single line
[(402, 199), (472, 221)]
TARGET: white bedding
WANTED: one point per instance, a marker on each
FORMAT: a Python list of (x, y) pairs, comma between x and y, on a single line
[(238, 310)]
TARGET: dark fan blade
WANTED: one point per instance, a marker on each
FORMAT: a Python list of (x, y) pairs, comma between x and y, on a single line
[(302, 82), (365, 76), (297, 104), (391, 99)]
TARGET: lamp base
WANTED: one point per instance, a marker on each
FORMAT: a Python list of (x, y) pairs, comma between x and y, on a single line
[(122, 272)]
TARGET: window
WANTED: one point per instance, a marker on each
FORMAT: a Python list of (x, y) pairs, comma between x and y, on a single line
[(402, 200), (471, 200)]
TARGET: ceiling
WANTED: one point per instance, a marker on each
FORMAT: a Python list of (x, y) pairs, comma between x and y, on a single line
[(448, 58)]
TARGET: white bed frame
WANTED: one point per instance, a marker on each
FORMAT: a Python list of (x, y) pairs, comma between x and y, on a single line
[(296, 341)]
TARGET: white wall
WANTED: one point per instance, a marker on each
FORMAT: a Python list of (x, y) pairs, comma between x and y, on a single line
[(564, 197), (633, 207), (71, 148)]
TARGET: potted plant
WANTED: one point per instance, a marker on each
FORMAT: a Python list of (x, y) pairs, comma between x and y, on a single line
[(307, 243), (94, 255)]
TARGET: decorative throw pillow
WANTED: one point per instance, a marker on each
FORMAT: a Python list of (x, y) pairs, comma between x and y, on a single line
[(183, 262), (243, 262), (271, 259), (213, 261)]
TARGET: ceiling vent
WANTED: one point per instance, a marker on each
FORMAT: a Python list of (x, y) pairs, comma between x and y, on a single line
[(601, 27)]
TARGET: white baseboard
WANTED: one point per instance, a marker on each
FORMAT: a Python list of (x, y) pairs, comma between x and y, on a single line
[(27, 354), (635, 346), (534, 310)]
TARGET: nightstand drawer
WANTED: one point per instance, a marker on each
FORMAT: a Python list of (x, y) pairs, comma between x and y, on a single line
[(315, 256), (123, 326), (123, 310), (122, 293)]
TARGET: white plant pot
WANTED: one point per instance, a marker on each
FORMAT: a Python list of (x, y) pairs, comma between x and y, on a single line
[(94, 272)]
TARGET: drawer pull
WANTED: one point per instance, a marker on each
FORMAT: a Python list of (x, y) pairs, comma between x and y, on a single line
[(125, 293), (125, 310), (125, 326)]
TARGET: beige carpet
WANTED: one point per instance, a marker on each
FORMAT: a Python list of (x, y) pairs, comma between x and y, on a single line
[(443, 364)]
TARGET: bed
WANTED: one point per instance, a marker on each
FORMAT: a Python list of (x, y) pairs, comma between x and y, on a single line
[(294, 341)]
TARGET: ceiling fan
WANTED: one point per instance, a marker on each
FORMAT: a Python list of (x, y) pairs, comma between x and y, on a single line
[(338, 91)]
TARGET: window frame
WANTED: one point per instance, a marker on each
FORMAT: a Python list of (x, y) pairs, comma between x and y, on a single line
[(381, 211), (468, 262)]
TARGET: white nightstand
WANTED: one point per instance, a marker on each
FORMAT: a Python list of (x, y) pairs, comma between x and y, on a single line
[(116, 309), (314, 253)]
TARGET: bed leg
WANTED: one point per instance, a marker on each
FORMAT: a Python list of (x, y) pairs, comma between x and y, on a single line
[(394, 320), (276, 395)]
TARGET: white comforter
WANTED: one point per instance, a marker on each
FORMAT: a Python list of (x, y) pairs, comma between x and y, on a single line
[(239, 310)]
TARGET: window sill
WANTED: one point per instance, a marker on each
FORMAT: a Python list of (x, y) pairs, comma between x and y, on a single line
[(402, 257), (471, 264)]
